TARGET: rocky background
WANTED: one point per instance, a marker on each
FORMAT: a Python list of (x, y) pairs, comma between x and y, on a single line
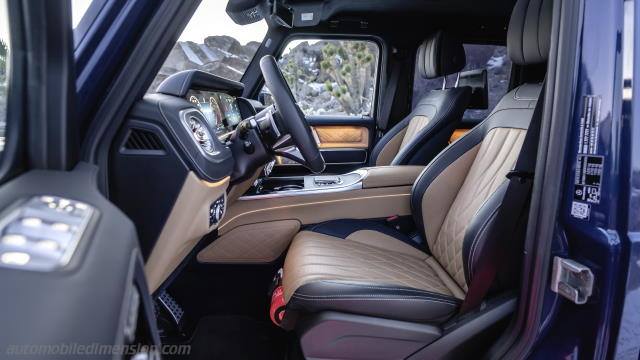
[(327, 77), (220, 55)]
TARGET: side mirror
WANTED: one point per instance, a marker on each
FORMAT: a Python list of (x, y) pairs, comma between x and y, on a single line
[(477, 81)]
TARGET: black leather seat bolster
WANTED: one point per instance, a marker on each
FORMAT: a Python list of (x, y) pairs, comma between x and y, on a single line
[(391, 302), (444, 108), (342, 228)]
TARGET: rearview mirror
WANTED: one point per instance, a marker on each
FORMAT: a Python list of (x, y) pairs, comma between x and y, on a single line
[(282, 14)]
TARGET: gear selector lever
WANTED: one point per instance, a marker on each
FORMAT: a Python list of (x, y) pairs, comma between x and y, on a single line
[(327, 180)]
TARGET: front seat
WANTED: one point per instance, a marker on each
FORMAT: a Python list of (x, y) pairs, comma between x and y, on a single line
[(422, 134), (361, 267)]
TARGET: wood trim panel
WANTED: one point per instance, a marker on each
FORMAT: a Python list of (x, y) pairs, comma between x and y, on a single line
[(457, 134), (341, 136)]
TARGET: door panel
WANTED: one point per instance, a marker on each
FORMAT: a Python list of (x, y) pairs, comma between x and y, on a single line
[(70, 266), (99, 297), (341, 136)]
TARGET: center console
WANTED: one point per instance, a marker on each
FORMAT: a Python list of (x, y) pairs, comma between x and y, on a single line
[(365, 178), (259, 226), (301, 185)]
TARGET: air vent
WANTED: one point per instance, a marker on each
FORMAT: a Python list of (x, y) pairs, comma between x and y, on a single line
[(144, 141)]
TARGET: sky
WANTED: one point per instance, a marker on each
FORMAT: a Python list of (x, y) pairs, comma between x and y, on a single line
[(4, 28), (209, 19)]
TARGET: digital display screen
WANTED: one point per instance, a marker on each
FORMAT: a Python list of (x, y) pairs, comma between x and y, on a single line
[(220, 109)]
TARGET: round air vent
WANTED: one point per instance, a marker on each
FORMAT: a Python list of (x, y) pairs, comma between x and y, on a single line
[(200, 133)]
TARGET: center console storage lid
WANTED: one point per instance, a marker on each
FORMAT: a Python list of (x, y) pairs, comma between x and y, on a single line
[(386, 176)]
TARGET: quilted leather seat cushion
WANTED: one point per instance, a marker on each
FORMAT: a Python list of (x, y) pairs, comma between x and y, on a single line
[(368, 273)]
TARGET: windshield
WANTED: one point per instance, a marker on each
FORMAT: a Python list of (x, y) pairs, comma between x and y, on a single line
[(212, 42)]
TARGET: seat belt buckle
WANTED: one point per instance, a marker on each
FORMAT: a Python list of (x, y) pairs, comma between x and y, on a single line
[(521, 176)]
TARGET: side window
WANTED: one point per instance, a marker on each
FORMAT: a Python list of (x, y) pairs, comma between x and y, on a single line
[(5, 49), (331, 77), (491, 57)]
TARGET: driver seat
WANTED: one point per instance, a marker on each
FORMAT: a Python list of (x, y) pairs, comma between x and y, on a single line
[(367, 269)]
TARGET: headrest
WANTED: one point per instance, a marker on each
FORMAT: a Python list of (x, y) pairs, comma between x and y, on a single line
[(439, 55), (529, 32)]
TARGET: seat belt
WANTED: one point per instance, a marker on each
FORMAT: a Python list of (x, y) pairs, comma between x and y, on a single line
[(512, 211), (389, 95)]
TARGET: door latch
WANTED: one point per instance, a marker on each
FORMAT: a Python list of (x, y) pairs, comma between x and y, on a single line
[(572, 280)]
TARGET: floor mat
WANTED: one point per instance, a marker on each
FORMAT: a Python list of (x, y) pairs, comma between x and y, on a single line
[(236, 337)]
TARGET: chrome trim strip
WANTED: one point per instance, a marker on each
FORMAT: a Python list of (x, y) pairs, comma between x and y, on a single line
[(348, 186)]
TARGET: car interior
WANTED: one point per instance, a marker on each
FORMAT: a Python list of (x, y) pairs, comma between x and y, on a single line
[(378, 262), (277, 233)]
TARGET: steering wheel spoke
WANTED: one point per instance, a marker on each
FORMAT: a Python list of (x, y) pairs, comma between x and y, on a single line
[(285, 147), (298, 144)]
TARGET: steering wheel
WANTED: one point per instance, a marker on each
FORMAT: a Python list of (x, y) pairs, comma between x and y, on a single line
[(296, 141)]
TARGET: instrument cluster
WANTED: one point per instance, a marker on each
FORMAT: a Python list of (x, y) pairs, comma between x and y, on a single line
[(220, 109)]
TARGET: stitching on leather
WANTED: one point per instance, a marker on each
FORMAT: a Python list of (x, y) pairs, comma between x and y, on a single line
[(475, 242), (518, 98), (369, 298), (426, 293)]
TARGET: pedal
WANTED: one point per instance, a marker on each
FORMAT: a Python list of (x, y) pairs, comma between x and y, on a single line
[(173, 308)]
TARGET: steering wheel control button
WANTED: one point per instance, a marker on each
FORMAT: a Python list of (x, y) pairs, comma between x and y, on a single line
[(43, 232)]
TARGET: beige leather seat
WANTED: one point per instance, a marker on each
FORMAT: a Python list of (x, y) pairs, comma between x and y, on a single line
[(366, 268)]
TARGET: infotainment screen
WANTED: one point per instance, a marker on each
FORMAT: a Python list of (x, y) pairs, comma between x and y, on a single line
[(220, 109)]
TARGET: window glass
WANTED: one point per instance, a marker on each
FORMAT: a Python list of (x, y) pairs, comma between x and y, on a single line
[(78, 9), (494, 58), (331, 77), (212, 42), (5, 48)]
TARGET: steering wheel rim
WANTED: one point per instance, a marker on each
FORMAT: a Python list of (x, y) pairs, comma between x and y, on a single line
[(291, 115)]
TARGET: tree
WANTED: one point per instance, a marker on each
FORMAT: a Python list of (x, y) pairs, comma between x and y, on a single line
[(350, 65), (3, 59)]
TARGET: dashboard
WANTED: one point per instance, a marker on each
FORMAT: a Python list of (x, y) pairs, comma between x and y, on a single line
[(220, 109)]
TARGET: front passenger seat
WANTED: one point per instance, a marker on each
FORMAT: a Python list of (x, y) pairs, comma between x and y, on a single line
[(423, 133), (355, 282)]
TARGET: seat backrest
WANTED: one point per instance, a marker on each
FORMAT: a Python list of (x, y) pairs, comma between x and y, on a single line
[(426, 130), (456, 198)]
